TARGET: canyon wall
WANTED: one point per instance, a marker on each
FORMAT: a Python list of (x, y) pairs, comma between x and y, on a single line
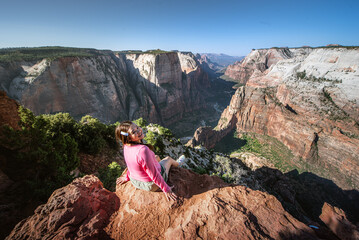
[(307, 99), (114, 87)]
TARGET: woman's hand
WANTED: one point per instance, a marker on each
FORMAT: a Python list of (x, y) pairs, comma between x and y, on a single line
[(121, 180), (171, 195)]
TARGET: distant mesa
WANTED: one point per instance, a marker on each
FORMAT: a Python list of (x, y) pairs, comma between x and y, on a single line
[(334, 45)]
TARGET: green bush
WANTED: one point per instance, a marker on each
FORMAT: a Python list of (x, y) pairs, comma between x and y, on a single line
[(93, 135), (109, 175), (44, 151), (156, 141), (199, 170), (165, 131), (140, 122), (252, 145)]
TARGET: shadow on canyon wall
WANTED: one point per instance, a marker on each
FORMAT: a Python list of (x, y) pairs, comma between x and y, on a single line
[(303, 195), (193, 87)]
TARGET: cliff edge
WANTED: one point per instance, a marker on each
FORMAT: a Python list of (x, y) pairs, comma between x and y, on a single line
[(305, 98), (208, 209)]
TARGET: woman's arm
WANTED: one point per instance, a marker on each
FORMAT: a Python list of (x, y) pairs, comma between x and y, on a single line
[(148, 161), (123, 178)]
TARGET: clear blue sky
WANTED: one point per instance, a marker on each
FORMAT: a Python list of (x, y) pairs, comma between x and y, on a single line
[(216, 26)]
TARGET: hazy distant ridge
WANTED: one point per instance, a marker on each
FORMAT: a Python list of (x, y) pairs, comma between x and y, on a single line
[(222, 59)]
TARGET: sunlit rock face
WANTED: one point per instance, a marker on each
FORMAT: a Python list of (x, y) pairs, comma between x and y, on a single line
[(158, 87), (209, 209), (309, 101), (80, 210), (258, 61)]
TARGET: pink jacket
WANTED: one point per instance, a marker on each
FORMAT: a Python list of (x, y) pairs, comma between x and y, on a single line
[(143, 166)]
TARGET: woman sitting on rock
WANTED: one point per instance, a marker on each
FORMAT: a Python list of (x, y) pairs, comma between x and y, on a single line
[(145, 170)]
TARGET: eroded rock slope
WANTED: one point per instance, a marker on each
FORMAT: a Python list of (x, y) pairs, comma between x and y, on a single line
[(307, 99)]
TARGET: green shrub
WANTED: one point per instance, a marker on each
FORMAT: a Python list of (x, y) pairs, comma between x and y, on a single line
[(199, 170), (109, 175), (140, 122), (156, 141), (252, 145), (165, 131), (90, 135), (43, 152)]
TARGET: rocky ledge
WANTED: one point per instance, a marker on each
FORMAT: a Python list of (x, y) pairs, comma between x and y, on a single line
[(208, 209)]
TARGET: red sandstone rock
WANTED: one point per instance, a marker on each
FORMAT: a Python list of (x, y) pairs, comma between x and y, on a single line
[(337, 221), (303, 100), (8, 111), (206, 137), (208, 209), (308, 134), (92, 163), (79, 210)]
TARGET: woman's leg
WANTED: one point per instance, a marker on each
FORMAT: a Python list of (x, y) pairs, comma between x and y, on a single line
[(167, 162)]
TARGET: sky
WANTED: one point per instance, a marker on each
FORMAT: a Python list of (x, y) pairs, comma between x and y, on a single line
[(200, 26)]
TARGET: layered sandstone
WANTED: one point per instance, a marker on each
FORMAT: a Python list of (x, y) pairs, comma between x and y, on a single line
[(309, 102), (258, 61), (157, 87)]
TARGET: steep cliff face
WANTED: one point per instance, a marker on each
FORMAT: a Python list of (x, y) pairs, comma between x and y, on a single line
[(309, 102), (158, 87), (258, 61)]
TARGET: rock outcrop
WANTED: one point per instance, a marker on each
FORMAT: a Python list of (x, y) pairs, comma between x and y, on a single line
[(337, 221), (308, 100), (257, 62), (209, 209), (8, 111), (208, 65), (111, 87), (81, 210)]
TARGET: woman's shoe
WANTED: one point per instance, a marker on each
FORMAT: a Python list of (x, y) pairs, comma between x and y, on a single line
[(181, 160)]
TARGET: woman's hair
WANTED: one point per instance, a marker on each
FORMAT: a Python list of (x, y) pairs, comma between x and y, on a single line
[(123, 128)]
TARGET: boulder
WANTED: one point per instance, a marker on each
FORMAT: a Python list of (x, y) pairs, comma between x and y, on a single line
[(336, 219), (208, 208), (79, 210)]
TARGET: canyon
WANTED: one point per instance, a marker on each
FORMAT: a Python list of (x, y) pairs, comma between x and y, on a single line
[(307, 98), (260, 203), (111, 86)]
